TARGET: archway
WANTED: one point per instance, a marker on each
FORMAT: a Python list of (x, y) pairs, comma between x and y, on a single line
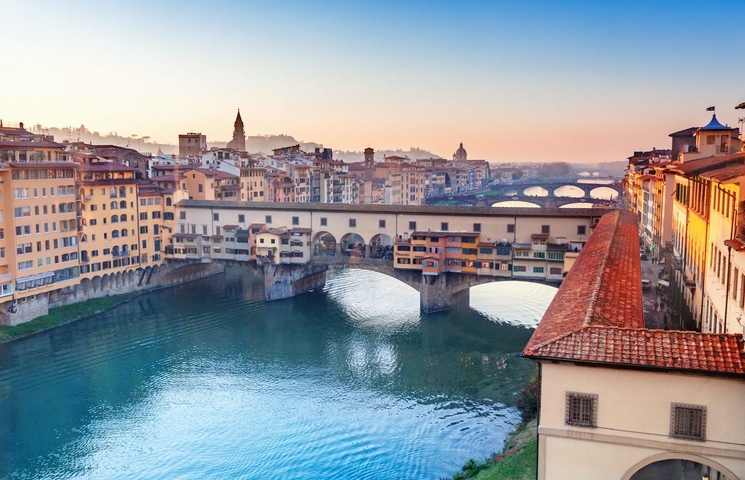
[(604, 193), (571, 191), (352, 245), (676, 466), (324, 244), (381, 246)]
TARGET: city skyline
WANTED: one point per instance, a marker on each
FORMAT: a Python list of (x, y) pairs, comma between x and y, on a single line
[(534, 82)]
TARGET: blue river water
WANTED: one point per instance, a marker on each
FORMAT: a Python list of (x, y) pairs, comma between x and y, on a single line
[(206, 380)]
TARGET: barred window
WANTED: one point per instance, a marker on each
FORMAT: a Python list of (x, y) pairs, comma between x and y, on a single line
[(581, 409), (688, 421)]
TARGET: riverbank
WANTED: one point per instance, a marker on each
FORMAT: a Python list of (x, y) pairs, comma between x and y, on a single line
[(62, 315), (516, 461)]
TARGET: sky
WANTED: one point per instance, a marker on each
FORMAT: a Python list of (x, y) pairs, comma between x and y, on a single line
[(538, 81)]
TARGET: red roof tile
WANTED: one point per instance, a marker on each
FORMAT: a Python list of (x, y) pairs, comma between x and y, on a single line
[(596, 316)]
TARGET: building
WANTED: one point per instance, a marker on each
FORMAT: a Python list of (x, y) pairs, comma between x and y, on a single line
[(38, 224), (615, 396), (192, 145), (239, 135), (460, 155)]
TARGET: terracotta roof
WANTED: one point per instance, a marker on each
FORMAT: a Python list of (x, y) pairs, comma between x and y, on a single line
[(699, 165), (724, 174), (596, 316), (399, 209)]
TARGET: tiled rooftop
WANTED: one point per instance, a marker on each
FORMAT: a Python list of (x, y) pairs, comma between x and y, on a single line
[(596, 316), (410, 209)]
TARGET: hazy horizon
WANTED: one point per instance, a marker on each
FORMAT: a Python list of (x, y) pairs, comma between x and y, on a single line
[(535, 82)]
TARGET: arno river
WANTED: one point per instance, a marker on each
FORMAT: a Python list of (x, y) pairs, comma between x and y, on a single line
[(208, 381)]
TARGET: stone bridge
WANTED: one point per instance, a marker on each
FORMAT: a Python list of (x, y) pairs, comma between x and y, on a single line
[(436, 292)]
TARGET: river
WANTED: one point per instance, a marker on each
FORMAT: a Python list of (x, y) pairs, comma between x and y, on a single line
[(206, 380)]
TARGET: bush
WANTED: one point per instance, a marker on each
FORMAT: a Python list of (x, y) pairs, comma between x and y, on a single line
[(530, 400)]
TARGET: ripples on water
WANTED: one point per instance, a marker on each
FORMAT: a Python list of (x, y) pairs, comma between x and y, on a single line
[(208, 381)]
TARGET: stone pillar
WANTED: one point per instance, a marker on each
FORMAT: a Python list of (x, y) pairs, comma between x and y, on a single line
[(442, 292), (287, 280)]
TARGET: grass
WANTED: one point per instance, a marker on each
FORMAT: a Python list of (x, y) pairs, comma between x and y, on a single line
[(516, 462), (61, 315)]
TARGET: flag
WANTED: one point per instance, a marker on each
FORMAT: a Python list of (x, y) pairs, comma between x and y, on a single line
[(710, 109)]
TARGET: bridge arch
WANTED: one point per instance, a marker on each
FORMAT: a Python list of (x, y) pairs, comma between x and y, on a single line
[(604, 192), (535, 191), (324, 243), (687, 457), (569, 190), (352, 244), (381, 246)]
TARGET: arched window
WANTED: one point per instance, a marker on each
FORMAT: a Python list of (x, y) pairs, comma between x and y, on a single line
[(114, 218), (115, 234), (112, 192), (81, 193), (84, 238), (125, 250), (115, 251), (122, 192), (83, 222), (168, 202), (123, 217), (124, 232), (123, 204), (114, 205)]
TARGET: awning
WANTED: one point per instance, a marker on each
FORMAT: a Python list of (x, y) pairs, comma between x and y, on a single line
[(38, 276)]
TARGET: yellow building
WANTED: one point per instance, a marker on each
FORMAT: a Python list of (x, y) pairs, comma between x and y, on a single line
[(38, 224), (109, 219)]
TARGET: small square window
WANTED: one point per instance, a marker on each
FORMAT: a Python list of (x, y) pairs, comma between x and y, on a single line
[(241, 218), (545, 228), (510, 228), (381, 223), (296, 220), (476, 227), (688, 421), (268, 219), (444, 226), (324, 221), (352, 222), (581, 409), (216, 217), (412, 225), (581, 229)]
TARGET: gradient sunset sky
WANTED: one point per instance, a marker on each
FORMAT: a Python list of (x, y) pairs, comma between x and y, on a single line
[(514, 81)]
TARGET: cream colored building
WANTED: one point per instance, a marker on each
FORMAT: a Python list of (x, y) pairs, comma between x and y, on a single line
[(617, 397)]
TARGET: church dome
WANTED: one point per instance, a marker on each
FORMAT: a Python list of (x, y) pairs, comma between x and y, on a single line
[(461, 153)]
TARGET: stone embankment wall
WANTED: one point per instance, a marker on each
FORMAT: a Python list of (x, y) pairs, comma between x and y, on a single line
[(139, 280)]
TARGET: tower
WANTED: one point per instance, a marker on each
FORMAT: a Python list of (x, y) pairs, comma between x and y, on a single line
[(239, 134), (460, 154)]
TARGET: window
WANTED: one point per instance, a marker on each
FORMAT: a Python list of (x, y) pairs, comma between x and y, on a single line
[(324, 221), (581, 230), (296, 220), (520, 268), (216, 217), (581, 409), (268, 219), (241, 218), (182, 215), (555, 271), (352, 222), (545, 228), (444, 226), (510, 228), (476, 227), (412, 225), (537, 269), (143, 229), (381, 223), (688, 421)]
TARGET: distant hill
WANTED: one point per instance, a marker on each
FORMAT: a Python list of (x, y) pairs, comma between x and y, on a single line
[(254, 143)]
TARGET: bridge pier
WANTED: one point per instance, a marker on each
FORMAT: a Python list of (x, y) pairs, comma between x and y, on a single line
[(287, 280), (443, 291)]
